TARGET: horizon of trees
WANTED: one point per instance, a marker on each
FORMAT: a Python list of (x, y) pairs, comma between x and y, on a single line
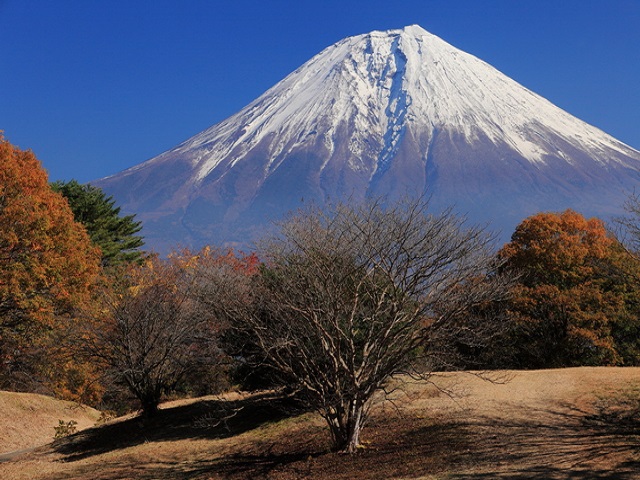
[(332, 306)]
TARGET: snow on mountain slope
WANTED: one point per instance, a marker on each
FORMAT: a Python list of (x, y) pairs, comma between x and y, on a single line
[(391, 113)]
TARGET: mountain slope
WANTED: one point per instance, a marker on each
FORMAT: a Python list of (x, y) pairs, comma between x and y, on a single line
[(386, 113)]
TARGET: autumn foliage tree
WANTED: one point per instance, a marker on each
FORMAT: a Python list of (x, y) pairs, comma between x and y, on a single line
[(48, 266), (156, 332), (573, 295)]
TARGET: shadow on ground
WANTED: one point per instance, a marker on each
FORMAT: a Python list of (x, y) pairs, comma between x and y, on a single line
[(601, 442), (598, 443), (208, 419)]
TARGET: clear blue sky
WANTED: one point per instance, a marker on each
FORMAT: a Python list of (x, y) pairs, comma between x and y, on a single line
[(94, 87)]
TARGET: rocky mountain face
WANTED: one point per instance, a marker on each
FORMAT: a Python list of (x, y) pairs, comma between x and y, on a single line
[(393, 113)]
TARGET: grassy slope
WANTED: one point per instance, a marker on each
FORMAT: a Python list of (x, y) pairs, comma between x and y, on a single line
[(28, 420), (554, 424)]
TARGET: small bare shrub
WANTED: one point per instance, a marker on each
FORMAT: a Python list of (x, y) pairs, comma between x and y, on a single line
[(64, 429)]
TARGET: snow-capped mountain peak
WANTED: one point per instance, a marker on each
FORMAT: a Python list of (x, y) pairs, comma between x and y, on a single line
[(386, 112), (386, 81)]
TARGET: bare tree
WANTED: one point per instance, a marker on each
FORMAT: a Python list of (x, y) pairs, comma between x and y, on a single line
[(152, 330), (349, 296), (627, 227)]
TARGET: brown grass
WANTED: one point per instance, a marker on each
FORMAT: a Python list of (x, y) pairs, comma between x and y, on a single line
[(573, 424), (28, 420)]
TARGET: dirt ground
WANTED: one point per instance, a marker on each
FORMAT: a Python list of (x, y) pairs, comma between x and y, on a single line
[(570, 424)]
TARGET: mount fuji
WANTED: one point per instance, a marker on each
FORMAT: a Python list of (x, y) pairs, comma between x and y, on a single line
[(393, 113)]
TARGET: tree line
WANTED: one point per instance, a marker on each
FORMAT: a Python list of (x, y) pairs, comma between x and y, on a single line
[(330, 307)]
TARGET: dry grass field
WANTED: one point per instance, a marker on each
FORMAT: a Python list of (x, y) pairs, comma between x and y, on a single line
[(573, 424), (28, 420)]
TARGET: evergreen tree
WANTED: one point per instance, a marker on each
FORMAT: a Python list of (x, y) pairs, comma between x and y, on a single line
[(113, 233)]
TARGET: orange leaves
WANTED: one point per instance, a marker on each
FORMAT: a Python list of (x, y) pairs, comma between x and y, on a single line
[(208, 256), (47, 263), (42, 250), (557, 248), (570, 295)]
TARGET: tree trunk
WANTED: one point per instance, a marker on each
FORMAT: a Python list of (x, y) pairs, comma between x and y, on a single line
[(353, 434), (346, 426), (149, 404)]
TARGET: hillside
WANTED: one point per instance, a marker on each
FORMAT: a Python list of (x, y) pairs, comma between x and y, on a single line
[(553, 424), (28, 420)]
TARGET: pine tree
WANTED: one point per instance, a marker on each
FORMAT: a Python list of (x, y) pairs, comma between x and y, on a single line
[(113, 233)]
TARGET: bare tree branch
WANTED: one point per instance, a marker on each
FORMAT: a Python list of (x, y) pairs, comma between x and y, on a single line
[(352, 296)]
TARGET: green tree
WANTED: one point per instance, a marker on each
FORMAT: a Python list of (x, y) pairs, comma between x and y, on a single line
[(113, 233)]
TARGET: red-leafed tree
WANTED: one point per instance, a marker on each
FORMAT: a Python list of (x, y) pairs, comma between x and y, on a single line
[(48, 266)]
